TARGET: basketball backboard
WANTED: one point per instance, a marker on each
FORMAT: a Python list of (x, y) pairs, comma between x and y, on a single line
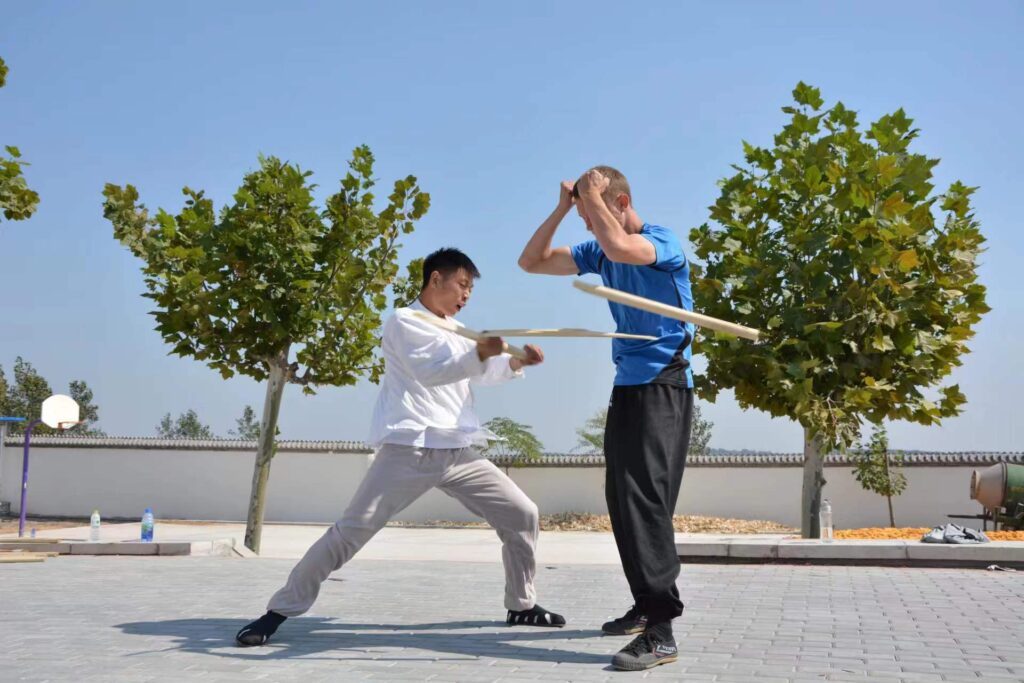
[(59, 412)]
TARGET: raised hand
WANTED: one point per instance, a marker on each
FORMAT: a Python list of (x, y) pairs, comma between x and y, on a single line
[(592, 183), (536, 357)]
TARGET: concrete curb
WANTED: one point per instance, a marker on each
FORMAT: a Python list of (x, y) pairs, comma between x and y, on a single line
[(217, 548), (881, 553)]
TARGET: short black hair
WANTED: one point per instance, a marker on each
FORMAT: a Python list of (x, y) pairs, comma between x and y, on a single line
[(447, 261)]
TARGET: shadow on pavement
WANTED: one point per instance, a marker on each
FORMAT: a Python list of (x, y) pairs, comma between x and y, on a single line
[(309, 636)]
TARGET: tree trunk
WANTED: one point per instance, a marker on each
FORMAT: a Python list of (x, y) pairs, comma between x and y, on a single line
[(888, 491), (814, 480), (265, 450)]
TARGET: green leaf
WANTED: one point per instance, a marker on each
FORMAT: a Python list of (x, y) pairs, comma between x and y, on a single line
[(907, 260), (812, 176), (830, 325), (895, 206), (882, 342), (807, 95)]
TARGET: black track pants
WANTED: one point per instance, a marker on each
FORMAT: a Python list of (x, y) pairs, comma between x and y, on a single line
[(646, 438)]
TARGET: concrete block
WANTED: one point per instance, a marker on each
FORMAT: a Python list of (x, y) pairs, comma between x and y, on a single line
[(217, 548), (687, 548), (89, 548), (754, 549), (843, 550), (996, 552), (55, 547), (172, 548)]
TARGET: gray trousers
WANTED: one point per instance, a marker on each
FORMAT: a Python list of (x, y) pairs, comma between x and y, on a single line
[(398, 476)]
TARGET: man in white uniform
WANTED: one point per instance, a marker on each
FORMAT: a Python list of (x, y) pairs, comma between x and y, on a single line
[(425, 432)]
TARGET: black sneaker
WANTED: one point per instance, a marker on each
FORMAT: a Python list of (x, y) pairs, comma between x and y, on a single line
[(626, 625), (646, 651), (259, 631), (535, 616)]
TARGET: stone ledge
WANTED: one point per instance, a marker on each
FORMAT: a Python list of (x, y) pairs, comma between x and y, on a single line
[(881, 553), (218, 548)]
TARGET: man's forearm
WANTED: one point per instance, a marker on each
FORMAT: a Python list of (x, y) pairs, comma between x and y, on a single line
[(539, 247), (607, 231)]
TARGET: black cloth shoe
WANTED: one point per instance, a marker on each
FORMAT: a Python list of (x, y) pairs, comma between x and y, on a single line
[(626, 625), (259, 631), (536, 616), (646, 651)]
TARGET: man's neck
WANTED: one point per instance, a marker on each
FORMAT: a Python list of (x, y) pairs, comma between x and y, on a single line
[(634, 224), (428, 304)]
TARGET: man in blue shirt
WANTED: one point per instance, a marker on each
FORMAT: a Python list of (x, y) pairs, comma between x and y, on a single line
[(648, 428)]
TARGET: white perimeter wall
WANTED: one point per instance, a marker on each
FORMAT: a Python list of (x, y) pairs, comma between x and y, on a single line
[(316, 486)]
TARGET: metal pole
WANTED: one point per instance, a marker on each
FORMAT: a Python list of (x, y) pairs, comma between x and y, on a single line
[(3, 437), (24, 477)]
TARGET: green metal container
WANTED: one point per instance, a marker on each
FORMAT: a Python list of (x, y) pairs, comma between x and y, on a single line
[(1000, 489)]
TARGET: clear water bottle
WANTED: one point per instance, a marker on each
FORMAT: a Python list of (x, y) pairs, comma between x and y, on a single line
[(826, 521), (147, 526), (94, 526)]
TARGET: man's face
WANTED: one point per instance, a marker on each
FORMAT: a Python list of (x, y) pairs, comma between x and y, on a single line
[(451, 292), (583, 214)]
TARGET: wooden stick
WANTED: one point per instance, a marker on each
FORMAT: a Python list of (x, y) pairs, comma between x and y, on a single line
[(565, 332), (468, 333), (659, 308)]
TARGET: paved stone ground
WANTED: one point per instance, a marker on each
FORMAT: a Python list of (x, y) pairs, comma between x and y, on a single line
[(113, 620)]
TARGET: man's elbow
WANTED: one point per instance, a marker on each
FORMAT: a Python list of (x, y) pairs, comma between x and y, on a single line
[(527, 264)]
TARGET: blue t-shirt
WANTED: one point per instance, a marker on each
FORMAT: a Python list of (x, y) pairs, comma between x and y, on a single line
[(667, 359)]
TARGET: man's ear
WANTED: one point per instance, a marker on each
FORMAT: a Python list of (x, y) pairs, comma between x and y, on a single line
[(623, 201)]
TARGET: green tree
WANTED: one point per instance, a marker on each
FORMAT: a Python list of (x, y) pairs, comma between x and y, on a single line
[(247, 427), (88, 412), (591, 435), (25, 399), (516, 440), (271, 287), (828, 242), (700, 432), (877, 469), (187, 426), (17, 201)]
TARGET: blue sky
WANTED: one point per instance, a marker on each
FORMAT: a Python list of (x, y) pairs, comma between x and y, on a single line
[(490, 106)]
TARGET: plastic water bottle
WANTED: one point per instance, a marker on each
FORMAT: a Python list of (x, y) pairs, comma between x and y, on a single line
[(147, 526), (826, 521), (94, 526)]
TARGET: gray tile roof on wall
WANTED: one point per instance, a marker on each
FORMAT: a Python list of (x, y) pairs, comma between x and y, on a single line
[(156, 443), (717, 458)]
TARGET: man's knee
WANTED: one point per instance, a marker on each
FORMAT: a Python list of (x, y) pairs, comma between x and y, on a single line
[(529, 515), (352, 536)]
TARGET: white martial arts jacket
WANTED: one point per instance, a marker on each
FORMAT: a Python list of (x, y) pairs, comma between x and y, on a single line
[(425, 396)]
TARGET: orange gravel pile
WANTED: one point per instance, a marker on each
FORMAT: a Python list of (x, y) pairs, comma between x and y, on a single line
[(913, 534), (582, 521)]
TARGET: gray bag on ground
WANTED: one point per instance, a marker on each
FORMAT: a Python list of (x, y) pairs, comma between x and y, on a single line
[(954, 533)]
